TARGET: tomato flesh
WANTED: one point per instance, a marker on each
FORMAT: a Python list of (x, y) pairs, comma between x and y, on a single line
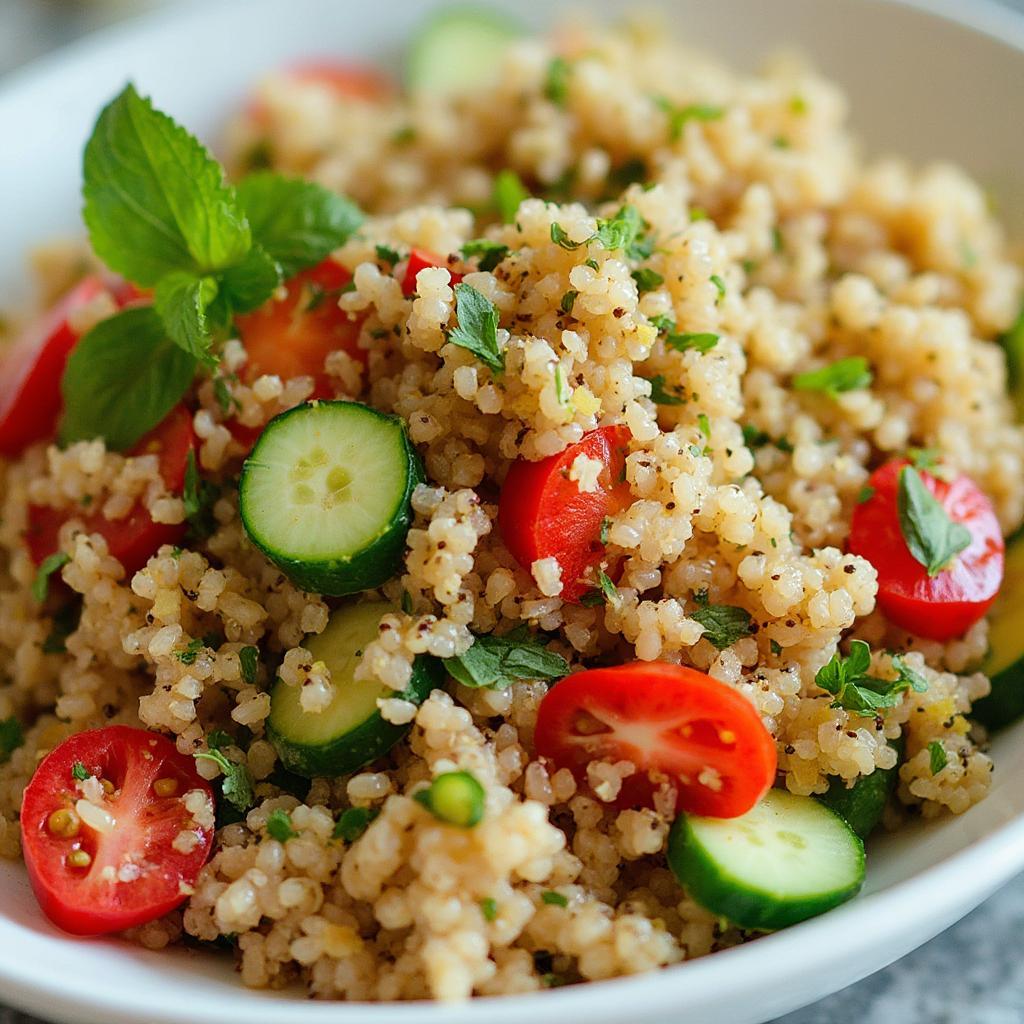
[(420, 259), (544, 514), (133, 539), (293, 336), (134, 873), (939, 607), (677, 725), (31, 370), (344, 80)]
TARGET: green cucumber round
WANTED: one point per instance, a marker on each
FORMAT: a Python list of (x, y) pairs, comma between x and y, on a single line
[(350, 732), (326, 495), (787, 859), (861, 805)]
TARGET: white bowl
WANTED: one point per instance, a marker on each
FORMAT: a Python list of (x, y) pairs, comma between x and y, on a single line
[(935, 80)]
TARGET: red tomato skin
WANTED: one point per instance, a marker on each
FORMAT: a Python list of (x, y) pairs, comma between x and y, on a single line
[(283, 339), (420, 259), (542, 513), (654, 702), (938, 607), (346, 80), (78, 901), (133, 539), (30, 372)]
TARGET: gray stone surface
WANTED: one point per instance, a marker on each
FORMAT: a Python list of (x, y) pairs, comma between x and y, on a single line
[(972, 974)]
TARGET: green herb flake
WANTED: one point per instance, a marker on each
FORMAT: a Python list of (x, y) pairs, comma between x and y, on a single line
[(798, 105), (647, 280), (663, 394), (679, 116), (723, 624), (237, 782), (698, 341), (568, 300), (12, 736), (937, 757), (698, 213), (404, 135), (754, 438), (489, 909), (225, 399), (249, 664), (478, 327), (561, 238), (554, 899), (279, 826), (509, 192), (49, 565), (606, 525), (387, 255), (865, 494), (490, 253), (608, 589), (496, 662), (777, 241), (563, 392), (65, 622), (848, 681), (775, 647), (188, 654), (850, 374), (664, 322), (79, 772), (931, 536), (406, 604), (198, 497), (352, 823), (593, 264), (924, 458), (719, 284), (704, 424), (556, 81)]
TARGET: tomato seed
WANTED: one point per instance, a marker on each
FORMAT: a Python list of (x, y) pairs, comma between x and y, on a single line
[(64, 823), (79, 859), (165, 787)]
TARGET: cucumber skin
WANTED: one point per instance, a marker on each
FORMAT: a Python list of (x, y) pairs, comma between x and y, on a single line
[(366, 570), (861, 805), (1005, 704), (716, 891), (364, 744)]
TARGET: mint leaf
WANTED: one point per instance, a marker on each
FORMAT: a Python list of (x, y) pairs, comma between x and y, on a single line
[(605, 592), (931, 536), (250, 283), (850, 374), (497, 661), (848, 681), (622, 232), (662, 393), (478, 327), (509, 192), (908, 677), (297, 222), (700, 341), (353, 823), (723, 624), (490, 253), (279, 826), (49, 565), (249, 662), (155, 200), (181, 299), (190, 652), (237, 784), (122, 379), (647, 280), (937, 757), (11, 737), (79, 772)]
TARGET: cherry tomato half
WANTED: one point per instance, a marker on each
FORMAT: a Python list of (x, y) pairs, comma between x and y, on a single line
[(944, 606), (544, 514), (91, 881), (133, 539), (292, 336), (345, 80), (673, 723), (30, 371), (420, 259)]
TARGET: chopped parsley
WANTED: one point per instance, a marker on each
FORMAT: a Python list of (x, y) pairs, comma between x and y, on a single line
[(704, 424), (664, 322), (199, 497), (719, 284), (866, 493), (604, 593), (11, 737), (662, 393), (489, 908), (606, 525), (352, 823), (49, 565), (924, 458), (679, 116), (225, 399), (387, 255), (775, 647), (188, 654), (406, 602), (852, 688), (723, 624), (495, 661), (279, 826), (237, 782), (249, 663), (554, 899), (623, 231), (490, 253), (699, 341), (562, 390), (647, 280), (509, 192), (477, 330), (65, 622), (79, 772), (937, 757), (850, 374), (568, 300), (753, 437), (556, 82), (932, 537)]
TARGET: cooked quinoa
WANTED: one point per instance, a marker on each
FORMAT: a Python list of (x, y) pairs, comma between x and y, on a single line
[(771, 231)]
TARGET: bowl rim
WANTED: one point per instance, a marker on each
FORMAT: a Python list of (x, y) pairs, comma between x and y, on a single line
[(948, 888)]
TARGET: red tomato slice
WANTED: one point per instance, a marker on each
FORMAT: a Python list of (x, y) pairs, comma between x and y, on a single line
[(420, 259), (291, 337), (345, 80), (133, 539), (543, 514), (30, 371), (673, 723), (132, 873), (939, 607)]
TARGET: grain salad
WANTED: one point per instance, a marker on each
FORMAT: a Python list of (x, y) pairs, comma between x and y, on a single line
[(513, 533)]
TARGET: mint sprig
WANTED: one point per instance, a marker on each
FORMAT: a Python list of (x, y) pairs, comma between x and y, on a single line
[(932, 537)]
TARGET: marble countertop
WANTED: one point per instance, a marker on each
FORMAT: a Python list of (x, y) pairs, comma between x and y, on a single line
[(971, 974)]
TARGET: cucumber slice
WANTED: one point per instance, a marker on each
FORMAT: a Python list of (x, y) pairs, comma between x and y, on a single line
[(788, 859), (861, 805), (458, 49), (1004, 664), (1013, 344), (350, 732), (325, 495)]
